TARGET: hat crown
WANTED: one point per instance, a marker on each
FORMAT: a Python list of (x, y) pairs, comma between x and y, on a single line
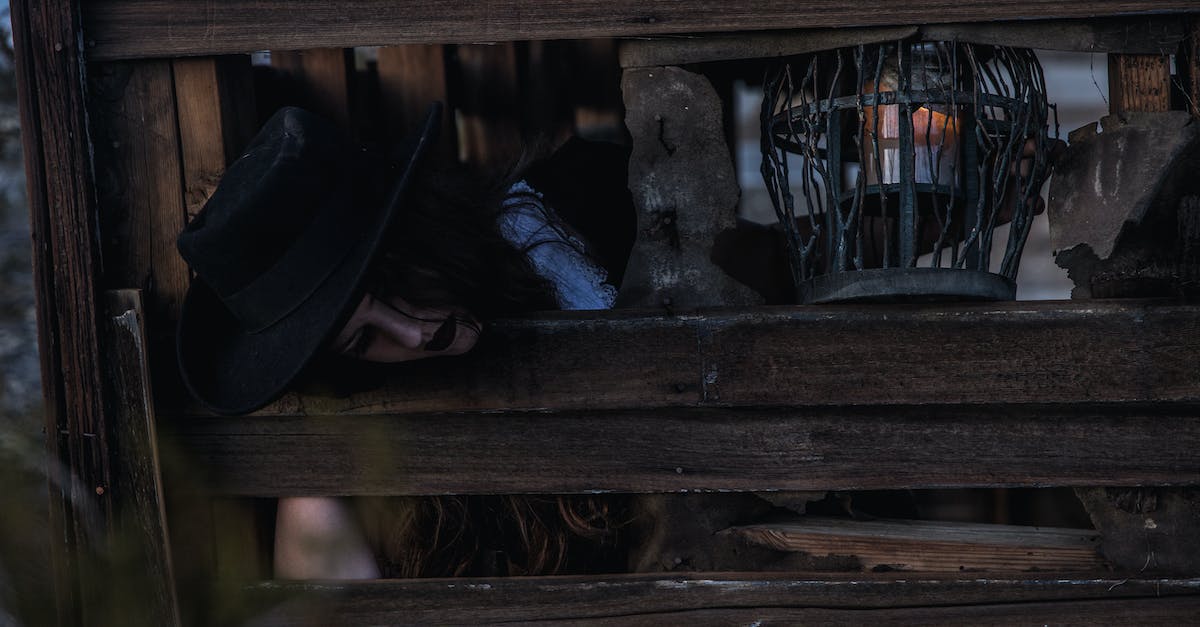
[(266, 200)]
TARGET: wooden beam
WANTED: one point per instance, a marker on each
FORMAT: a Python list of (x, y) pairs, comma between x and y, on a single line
[(141, 198), (216, 105), (489, 111), (322, 80), (933, 546), (147, 594), (66, 263), (1129, 35), (149, 28), (816, 599), (741, 450), (1139, 82), (410, 79), (1023, 352), (1190, 61)]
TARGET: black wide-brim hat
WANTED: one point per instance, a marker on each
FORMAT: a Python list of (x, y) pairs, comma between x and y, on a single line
[(280, 252)]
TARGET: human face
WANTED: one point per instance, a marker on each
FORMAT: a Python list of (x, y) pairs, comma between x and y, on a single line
[(393, 330)]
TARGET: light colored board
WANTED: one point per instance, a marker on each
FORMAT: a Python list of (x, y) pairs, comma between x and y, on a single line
[(1139, 83), (933, 546), (216, 118)]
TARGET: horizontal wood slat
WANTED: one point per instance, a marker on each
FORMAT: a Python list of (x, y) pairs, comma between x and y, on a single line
[(115, 29), (742, 598), (933, 546), (670, 450), (1046, 352), (1152, 34)]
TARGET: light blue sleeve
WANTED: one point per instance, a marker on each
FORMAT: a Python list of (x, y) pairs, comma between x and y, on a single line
[(555, 254)]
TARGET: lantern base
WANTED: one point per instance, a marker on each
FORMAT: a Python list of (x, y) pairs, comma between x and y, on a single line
[(906, 285)]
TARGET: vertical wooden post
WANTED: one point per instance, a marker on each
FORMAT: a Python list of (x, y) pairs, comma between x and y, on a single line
[(323, 77), (216, 104), (1139, 82), (597, 89), (1190, 65), (215, 98), (410, 78), (136, 139), (489, 132), (147, 594), (66, 263)]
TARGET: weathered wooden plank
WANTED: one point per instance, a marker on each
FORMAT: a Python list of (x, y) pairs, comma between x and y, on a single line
[(475, 601), (1139, 82), (594, 86), (146, 28), (239, 526), (147, 596), (1191, 64), (933, 546), (489, 111), (141, 209), (696, 449), (1129, 35), (66, 261), (1031, 352), (322, 79), (410, 78), (215, 102), (1149, 612)]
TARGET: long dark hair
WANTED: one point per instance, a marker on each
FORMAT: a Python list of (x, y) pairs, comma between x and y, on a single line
[(446, 249)]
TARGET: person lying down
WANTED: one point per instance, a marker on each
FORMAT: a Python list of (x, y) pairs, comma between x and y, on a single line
[(311, 249)]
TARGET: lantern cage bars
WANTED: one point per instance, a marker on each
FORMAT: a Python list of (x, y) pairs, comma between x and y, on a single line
[(901, 150)]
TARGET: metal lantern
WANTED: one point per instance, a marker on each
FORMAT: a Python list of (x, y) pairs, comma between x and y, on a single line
[(891, 165)]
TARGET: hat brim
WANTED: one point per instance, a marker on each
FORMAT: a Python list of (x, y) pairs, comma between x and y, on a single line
[(231, 371)]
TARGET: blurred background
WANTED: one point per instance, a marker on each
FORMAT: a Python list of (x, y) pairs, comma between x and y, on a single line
[(24, 551)]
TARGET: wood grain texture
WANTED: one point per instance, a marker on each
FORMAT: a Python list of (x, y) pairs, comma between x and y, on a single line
[(141, 196), (641, 598), (933, 546), (146, 28), (1191, 60), (1131, 35), (489, 106), (410, 78), (1028, 352), (66, 260), (215, 102), (148, 594), (321, 78), (1139, 83), (695, 449)]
